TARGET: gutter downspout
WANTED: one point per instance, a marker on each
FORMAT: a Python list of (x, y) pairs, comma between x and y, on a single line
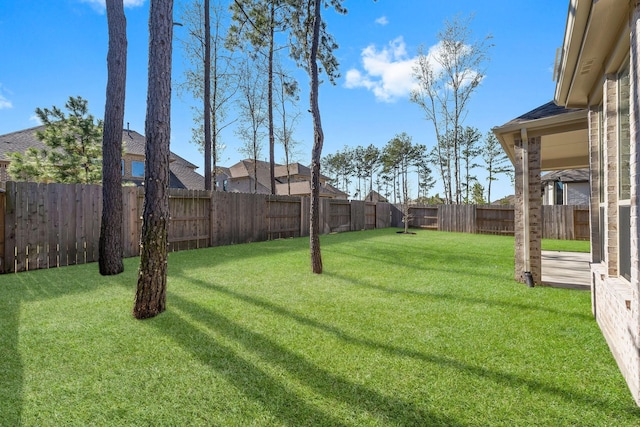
[(525, 196)]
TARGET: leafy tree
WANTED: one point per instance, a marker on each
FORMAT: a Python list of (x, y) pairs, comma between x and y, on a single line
[(340, 166), (222, 85), (32, 165), (447, 77), (151, 293), (252, 114), (496, 161), (401, 155), (477, 194), (358, 167), (370, 161), (73, 153), (425, 179), (469, 151), (285, 97), (258, 22), (110, 244)]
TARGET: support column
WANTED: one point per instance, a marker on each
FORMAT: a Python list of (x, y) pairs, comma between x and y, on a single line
[(528, 209), (596, 168)]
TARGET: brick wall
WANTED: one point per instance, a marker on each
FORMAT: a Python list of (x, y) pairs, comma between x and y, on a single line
[(534, 206), (616, 302)]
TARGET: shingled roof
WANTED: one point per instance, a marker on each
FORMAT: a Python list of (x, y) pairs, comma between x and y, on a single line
[(549, 109), (569, 175), (183, 173)]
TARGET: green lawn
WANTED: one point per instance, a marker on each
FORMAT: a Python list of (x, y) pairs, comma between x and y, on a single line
[(401, 330), (566, 245)]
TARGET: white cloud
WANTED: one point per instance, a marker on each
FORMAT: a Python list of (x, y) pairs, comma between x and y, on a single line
[(382, 20), (4, 102), (35, 119), (388, 72)]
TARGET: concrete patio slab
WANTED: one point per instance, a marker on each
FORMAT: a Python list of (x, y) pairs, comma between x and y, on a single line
[(566, 269)]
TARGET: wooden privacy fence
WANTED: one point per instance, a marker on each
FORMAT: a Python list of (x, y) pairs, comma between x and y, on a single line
[(51, 225), (558, 222)]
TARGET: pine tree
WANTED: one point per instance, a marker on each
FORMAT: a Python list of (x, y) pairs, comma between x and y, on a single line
[(151, 291), (110, 245)]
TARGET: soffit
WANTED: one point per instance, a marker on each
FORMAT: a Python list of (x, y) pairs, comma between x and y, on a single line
[(564, 139), (596, 41)]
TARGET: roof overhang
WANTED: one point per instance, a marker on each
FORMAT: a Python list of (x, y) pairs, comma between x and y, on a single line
[(564, 139), (596, 42)]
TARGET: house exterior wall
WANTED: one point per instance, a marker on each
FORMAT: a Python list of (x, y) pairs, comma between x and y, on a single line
[(573, 193), (576, 193), (548, 194), (615, 300), (128, 158), (4, 174)]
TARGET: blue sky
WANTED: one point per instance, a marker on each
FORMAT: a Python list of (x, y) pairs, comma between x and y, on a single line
[(51, 50)]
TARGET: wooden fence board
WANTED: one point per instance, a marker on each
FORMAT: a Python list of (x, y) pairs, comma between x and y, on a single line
[(31, 231), (10, 227), (357, 215), (370, 220), (56, 224), (42, 241), (424, 217), (581, 225), (130, 234), (283, 217), (339, 215), (22, 227), (2, 228), (558, 222), (53, 212), (383, 215), (495, 220), (305, 215)]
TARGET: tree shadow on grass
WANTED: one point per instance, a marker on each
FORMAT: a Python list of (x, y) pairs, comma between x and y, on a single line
[(282, 403), (346, 392), (33, 286), (459, 298), (11, 369), (463, 265)]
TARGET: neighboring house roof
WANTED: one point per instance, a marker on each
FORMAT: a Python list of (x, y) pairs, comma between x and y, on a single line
[(506, 201), (182, 172), (19, 141), (570, 175), (374, 196), (300, 178)]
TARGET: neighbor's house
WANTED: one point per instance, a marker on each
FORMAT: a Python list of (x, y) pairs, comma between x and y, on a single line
[(249, 176), (566, 187), (182, 173), (597, 126), (376, 197)]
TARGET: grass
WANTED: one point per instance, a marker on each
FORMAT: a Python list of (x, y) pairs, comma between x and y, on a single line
[(566, 245), (400, 330)]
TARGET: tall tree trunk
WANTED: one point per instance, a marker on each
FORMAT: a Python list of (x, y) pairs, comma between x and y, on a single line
[(152, 277), (207, 97), (318, 140), (110, 245), (272, 142)]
